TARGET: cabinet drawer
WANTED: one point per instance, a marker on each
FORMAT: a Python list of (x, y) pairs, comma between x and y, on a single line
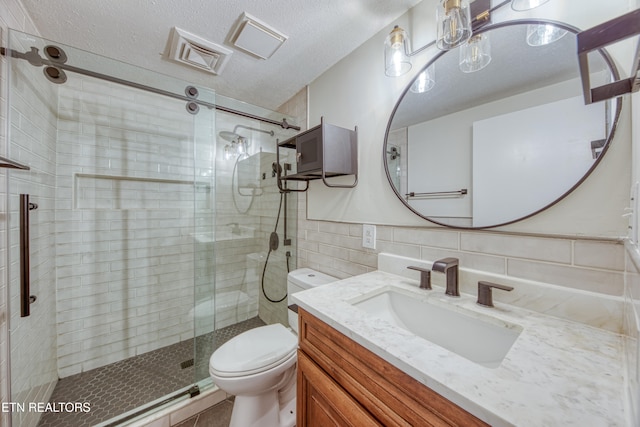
[(390, 395)]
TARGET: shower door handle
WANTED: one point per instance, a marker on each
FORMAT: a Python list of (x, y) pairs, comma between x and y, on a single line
[(25, 293)]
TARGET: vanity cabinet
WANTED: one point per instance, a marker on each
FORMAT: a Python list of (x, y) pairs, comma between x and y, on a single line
[(340, 383)]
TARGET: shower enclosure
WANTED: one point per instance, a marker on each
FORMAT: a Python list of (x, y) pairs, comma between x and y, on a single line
[(138, 232)]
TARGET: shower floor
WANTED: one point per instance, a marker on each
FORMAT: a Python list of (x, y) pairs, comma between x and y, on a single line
[(123, 386)]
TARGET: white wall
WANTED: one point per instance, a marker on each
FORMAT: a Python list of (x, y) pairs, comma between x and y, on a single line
[(356, 92)]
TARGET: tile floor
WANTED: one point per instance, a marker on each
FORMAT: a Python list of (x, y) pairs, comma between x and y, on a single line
[(123, 386), (217, 416)]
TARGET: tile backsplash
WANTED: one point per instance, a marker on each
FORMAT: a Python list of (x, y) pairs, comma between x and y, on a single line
[(589, 265)]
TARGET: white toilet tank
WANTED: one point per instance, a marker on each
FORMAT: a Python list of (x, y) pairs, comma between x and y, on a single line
[(299, 280)]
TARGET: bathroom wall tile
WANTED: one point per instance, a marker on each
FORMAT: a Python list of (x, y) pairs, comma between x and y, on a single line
[(334, 228), (607, 255), (433, 238), (601, 281), (537, 248), (355, 230), (366, 258), (411, 251), (335, 239), (334, 251), (384, 233)]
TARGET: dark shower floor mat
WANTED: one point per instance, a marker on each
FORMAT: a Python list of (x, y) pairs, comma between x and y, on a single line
[(123, 386)]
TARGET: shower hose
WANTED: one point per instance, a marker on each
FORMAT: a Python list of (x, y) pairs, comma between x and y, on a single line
[(266, 261)]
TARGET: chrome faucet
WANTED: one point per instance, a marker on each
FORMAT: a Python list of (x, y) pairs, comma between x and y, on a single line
[(449, 266)]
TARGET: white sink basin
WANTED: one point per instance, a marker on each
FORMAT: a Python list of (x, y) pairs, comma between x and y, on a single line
[(483, 341)]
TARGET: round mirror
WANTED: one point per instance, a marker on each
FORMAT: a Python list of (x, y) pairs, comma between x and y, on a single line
[(496, 131)]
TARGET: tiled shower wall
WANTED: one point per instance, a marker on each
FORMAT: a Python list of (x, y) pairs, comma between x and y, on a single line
[(125, 222), (247, 203)]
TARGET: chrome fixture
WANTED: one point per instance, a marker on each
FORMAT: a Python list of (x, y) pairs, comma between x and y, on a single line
[(454, 23), (475, 54), (449, 266), (521, 5), (485, 297), (425, 276)]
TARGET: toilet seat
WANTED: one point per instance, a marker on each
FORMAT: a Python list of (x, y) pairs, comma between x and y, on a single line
[(253, 351)]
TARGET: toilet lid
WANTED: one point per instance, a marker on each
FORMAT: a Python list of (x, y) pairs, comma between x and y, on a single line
[(254, 351)]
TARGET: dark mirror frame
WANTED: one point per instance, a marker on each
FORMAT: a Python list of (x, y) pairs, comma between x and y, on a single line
[(618, 105)]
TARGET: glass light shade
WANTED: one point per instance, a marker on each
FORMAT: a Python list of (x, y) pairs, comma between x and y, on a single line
[(520, 5), (540, 35), (396, 48), (425, 80), (475, 54), (241, 146), (228, 152), (454, 23)]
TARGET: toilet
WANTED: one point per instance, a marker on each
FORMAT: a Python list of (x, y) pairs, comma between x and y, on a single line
[(259, 365)]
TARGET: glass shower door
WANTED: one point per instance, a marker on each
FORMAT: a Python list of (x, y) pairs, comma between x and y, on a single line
[(123, 179)]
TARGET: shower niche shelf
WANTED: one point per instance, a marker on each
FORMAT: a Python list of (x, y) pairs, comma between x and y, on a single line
[(324, 151)]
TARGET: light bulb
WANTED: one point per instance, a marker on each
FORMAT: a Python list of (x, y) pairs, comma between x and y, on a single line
[(396, 46), (475, 54), (454, 23)]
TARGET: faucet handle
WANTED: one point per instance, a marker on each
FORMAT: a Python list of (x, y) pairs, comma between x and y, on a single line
[(425, 276), (485, 296)]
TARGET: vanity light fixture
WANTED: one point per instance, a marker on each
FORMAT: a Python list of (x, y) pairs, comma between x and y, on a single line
[(454, 23), (237, 148), (521, 5), (396, 56), (455, 26), (425, 80), (475, 54)]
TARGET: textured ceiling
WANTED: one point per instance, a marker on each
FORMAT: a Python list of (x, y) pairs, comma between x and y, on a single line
[(321, 32)]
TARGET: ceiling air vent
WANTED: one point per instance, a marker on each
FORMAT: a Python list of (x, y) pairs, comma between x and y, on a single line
[(255, 37), (197, 52)]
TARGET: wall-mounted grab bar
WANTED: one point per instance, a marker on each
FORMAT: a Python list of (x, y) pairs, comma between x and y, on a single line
[(437, 194), (25, 292), (10, 164)]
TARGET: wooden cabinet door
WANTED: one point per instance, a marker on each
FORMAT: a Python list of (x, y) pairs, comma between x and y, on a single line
[(323, 403)]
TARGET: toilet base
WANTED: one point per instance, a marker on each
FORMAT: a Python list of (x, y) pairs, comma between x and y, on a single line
[(275, 408)]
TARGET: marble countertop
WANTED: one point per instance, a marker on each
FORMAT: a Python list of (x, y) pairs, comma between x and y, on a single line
[(558, 372)]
